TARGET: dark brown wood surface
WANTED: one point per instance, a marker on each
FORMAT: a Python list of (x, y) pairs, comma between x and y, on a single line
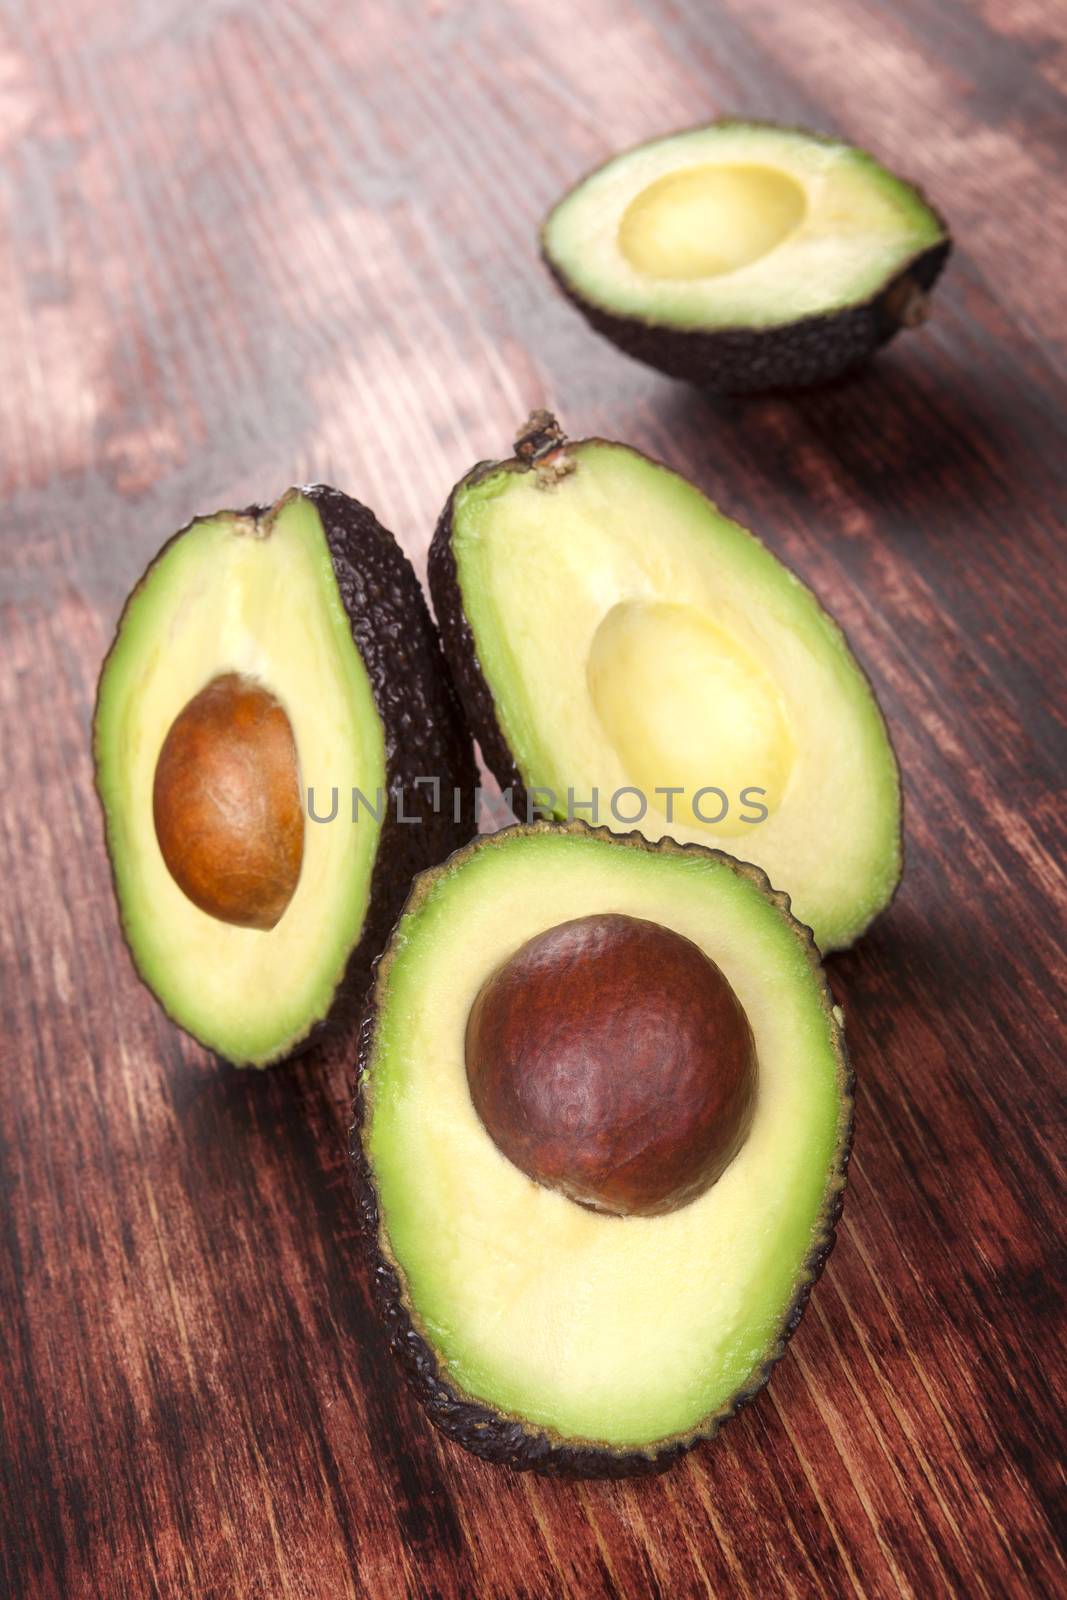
[(251, 243)]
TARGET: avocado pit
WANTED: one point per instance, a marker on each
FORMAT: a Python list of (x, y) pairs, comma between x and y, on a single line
[(610, 1059), (226, 803)]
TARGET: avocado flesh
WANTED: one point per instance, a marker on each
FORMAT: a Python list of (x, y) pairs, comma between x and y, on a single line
[(256, 596), (679, 651), (615, 1334), (737, 225)]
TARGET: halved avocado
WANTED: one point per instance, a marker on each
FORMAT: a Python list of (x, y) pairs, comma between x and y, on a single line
[(577, 1338), (268, 664), (744, 256), (619, 644)]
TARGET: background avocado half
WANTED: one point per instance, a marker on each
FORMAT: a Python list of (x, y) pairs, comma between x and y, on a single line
[(535, 1331), (266, 653), (613, 635), (744, 256)]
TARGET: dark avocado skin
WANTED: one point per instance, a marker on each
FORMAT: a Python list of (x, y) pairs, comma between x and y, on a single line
[(474, 692), (498, 1436), (423, 726), (794, 355), (425, 732)]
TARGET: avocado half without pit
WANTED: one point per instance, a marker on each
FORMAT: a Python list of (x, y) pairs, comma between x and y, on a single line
[(274, 692), (745, 256), (627, 654), (601, 1134)]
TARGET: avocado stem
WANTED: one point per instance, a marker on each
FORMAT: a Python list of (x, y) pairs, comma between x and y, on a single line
[(909, 302), (542, 445)]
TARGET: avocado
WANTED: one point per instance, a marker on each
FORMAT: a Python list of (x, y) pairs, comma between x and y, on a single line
[(628, 655), (268, 665), (600, 1139), (744, 256)]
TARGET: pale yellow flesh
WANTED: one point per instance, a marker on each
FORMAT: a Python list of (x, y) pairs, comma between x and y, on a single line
[(737, 225), (680, 654), (703, 221), (623, 1330), (226, 598), (686, 704)]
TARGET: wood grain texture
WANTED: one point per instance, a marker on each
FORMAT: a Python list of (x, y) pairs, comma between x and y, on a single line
[(251, 243)]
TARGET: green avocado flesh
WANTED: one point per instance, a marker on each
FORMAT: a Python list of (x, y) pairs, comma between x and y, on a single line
[(621, 1331), (632, 637), (737, 225), (255, 596)]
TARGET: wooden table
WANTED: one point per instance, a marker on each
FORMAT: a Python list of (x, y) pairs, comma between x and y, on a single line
[(247, 244)]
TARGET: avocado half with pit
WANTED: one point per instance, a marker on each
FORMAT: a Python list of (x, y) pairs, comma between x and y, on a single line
[(628, 655), (600, 1141), (274, 693), (745, 256)]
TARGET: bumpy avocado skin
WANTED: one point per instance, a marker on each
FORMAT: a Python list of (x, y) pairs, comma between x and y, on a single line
[(474, 692), (426, 735), (507, 1439), (423, 725), (797, 355), (794, 355)]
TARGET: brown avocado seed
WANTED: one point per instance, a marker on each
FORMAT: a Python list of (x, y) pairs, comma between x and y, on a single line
[(610, 1059), (226, 802)]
